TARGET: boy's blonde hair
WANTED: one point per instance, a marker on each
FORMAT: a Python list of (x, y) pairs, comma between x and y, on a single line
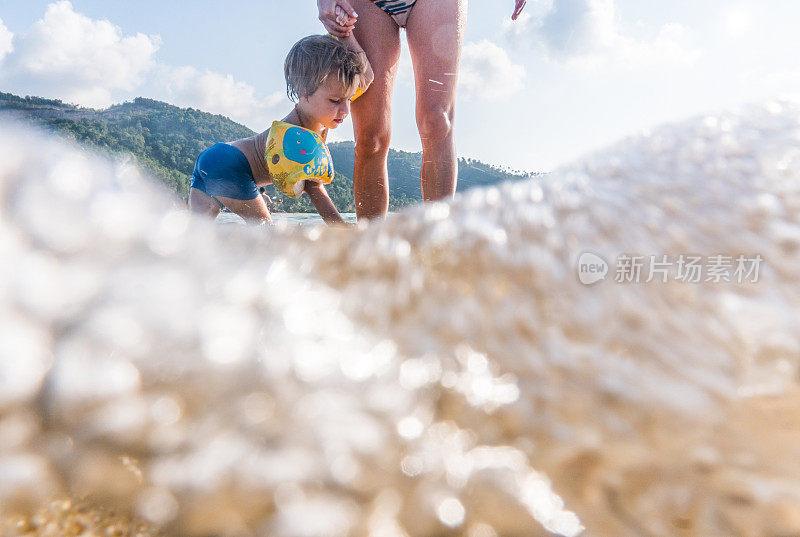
[(314, 58)]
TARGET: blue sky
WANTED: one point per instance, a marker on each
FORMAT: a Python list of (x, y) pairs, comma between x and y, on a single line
[(572, 76)]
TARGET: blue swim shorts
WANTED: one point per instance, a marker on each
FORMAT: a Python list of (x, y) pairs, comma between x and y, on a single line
[(223, 170)]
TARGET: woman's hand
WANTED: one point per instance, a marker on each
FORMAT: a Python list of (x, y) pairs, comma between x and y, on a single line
[(518, 9), (328, 17)]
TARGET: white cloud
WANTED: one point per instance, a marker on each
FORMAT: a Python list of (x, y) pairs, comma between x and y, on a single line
[(220, 94), (6, 41), (736, 20), (69, 56), (766, 83), (590, 33), (671, 44), (81, 60), (487, 72)]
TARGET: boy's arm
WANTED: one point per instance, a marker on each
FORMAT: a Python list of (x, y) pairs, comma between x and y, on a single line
[(352, 43), (322, 202)]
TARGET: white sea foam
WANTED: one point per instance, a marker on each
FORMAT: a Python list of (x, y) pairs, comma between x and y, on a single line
[(432, 373)]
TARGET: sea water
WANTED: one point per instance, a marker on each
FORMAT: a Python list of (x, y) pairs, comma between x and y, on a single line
[(491, 366), (300, 219)]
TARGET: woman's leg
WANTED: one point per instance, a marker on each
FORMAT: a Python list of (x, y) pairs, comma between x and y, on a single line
[(202, 203), (379, 36), (254, 211), (435, 33)]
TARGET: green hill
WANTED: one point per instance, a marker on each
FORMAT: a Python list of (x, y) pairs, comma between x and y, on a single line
[(166, 140)]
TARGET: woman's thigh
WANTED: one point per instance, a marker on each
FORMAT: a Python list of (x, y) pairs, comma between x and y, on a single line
[(435, 32), (379, 36)]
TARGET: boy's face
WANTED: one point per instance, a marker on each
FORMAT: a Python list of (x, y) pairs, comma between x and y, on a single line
[(330, 104)]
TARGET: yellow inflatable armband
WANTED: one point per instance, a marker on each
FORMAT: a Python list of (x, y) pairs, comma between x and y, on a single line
[(296, 155)]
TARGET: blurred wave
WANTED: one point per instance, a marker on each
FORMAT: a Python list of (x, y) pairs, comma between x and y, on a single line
[(441, 372)]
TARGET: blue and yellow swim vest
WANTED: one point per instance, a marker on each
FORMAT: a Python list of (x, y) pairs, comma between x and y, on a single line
[(296, 155)]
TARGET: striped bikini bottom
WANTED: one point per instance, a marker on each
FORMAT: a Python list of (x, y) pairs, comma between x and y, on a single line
[(398, 9)]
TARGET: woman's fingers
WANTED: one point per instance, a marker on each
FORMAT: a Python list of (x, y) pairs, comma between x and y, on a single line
[(339, 30), (341, 15), (343, 19), (345, 5), (518, 9), (333, 21)]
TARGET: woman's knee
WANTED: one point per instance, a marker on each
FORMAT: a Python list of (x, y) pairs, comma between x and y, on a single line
[(373, 140), (435, 122)]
